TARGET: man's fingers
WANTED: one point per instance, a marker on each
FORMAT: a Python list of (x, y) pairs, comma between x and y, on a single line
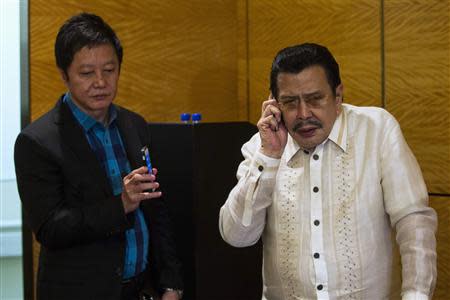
[(150, 195), (137, 178), (136, 187), (148, 186), (266, 103), (131, 176), (144, 196), (268, 123), (272, 110), (136, 196), (271, 114), (141, 170)]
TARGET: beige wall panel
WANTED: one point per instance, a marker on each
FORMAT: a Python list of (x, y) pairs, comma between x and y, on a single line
[(442, 207), (417, 82), (351, 30), (178, 56), (242, 9)]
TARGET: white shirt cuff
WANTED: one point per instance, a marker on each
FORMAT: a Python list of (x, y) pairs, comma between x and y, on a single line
[(414, 296), (266, 165)]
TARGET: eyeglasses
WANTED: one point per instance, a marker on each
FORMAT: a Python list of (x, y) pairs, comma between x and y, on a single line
[(291, 104)]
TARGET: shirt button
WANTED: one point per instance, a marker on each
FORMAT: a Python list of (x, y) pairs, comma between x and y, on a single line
[(320, 287), (260, 168), (315, 189), (315, 157), (316, 222), (316, 255)]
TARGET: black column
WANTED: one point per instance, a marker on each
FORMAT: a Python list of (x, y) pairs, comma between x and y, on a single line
[(197, 166)]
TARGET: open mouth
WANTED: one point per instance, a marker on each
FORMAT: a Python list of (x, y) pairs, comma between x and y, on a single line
[(307, 132), (100, 97)]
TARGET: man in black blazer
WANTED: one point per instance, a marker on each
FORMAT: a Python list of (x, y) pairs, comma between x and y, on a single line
[(95, 210)]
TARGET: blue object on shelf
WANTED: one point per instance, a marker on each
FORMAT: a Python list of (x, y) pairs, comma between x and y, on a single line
[(196, 117), (185, 117)]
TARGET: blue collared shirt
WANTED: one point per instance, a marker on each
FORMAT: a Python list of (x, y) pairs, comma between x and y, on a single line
[(108, 147)]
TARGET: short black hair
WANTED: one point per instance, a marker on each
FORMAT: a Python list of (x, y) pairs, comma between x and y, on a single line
[(296, 58), (82, 30)]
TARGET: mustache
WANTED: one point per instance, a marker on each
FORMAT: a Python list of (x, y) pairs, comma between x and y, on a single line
[(303, 123)]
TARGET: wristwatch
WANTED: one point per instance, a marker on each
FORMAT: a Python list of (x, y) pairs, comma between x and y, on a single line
[(179, 292)]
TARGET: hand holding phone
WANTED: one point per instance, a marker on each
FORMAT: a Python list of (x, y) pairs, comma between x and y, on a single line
[(272, 129)]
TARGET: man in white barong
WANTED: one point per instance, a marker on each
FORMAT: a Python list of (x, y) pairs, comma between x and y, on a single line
[(323, 183)]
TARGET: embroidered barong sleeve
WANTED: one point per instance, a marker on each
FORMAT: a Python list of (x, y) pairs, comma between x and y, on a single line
[(242, 217), (406, 202)]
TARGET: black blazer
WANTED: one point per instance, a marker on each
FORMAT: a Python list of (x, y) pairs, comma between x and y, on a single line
[(68, 203)]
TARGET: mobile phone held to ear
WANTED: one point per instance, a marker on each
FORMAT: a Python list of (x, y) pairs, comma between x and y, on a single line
[(282, 120), (146, 159)]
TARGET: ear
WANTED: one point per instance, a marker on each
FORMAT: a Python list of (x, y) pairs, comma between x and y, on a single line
[(64, 76), (339, 94), (339, 97)]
